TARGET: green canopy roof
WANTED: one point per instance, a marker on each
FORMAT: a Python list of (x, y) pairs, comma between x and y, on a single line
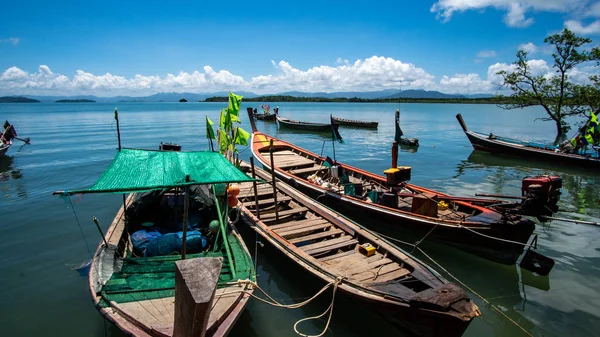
[(143, 170)]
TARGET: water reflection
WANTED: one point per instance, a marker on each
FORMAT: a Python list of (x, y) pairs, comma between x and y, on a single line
[(10, 178)]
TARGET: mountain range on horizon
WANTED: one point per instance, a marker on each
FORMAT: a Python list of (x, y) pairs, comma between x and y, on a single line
[(192, 97)]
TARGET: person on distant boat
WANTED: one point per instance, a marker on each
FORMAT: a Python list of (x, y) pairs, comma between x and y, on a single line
[(276, 110), (255, 111), (588, 135)]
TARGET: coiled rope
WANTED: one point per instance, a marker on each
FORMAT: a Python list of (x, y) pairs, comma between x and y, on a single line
[(271, 301)]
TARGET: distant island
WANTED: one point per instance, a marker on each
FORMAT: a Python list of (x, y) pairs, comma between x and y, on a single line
[(285, 98), (183, 100), (75, 101), (17, 99)]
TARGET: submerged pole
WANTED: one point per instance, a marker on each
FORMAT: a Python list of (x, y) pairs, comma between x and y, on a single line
[(254, 187), (100, 230), (273, 179)]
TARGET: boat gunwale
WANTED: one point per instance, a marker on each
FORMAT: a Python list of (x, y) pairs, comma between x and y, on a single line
[(389, 210)]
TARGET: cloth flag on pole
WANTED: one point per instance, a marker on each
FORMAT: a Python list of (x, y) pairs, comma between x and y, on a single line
[(234, 106), (335, 134), (242, 136), (399, 133), (210, 133)]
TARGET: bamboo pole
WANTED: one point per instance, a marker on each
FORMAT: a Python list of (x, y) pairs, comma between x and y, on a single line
[(254, 187), (224, 232), (273, 180), (186, 209)]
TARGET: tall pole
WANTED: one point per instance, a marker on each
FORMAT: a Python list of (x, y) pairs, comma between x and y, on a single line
[(186, 202), (118, 130), (273, 178), (254, 187)]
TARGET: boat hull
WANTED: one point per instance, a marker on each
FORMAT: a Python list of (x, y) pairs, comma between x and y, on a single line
[(355, 123), (481, 239), (265, 117), (491, 144), (297, 125)]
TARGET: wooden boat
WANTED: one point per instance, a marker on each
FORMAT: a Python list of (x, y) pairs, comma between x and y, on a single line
[(528, 150), (134, 286), (369, 268), (467, 223), (6, 138), (293, 124), (269, 117), (354, 123)]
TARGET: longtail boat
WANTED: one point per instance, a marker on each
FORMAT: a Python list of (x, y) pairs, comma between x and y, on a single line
[(472, 224), (293, 124), (135, 273), (354, 123), (366, 266), (529, 150), (6, 138)]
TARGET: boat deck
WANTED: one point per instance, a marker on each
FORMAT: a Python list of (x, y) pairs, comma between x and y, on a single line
[(332, 247), (304, 166)]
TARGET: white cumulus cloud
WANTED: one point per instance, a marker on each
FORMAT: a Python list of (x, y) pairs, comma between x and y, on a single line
[(579, 28), (370, 74), (528, 47), (516, 10)]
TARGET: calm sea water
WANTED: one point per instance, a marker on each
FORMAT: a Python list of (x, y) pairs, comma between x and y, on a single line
[(41, 242)]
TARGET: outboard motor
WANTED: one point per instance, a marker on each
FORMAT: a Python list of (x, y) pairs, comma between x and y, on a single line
[(541, 195)]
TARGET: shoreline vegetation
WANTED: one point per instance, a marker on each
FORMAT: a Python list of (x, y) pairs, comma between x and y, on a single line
[(17, 99), (75, 101), (280, 98)]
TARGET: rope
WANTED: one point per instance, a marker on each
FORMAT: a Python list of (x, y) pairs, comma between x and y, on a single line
[(271, 301), (67, 198), (493, 237), (459, 281)]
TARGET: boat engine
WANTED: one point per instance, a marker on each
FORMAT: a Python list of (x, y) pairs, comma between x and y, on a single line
[(541, 194)]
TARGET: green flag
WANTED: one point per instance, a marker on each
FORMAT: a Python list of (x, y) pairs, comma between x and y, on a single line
[(210, 133), (225, 120), (234, 106), (222, 141), (242, 136), (335, 134)]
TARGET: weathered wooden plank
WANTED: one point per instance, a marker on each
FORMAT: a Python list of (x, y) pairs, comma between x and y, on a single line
[(359, 261), (358, 268), (297, 224), (399, 273), (332, 258), (313, 169), (320, 235), (270, 216), (336, 246), (262, 202), (376, 273), (302, 231)]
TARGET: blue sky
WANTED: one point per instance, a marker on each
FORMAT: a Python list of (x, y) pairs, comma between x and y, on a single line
[(112, 48)]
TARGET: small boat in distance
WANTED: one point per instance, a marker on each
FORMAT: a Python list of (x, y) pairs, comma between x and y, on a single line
[(265, 116), (6, 137), (354, 123), (308, 126), (365, 266), (528, 150)]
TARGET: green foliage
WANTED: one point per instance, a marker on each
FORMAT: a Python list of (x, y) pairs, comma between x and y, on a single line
[(556, 94), (183, 100), (282, 98)]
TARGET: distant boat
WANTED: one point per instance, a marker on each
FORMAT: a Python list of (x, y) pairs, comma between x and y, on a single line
[(528, 150), (377, 273), (263, 116), (6, 137), (355, 123), (293, 124)]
